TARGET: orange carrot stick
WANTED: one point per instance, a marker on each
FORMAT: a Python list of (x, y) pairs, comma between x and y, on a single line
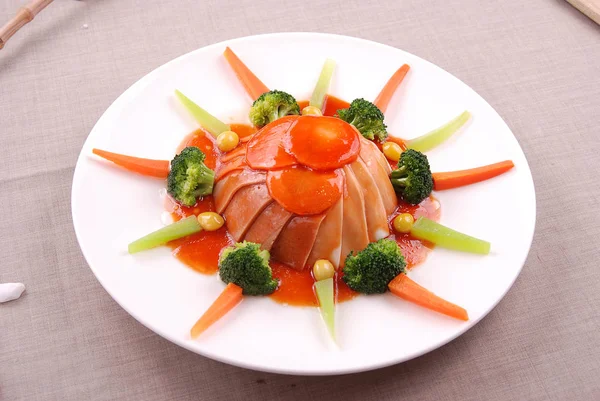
[(149, 167), (251, 83), (454, 179), (390, 87), (229, 298), (402, 286)]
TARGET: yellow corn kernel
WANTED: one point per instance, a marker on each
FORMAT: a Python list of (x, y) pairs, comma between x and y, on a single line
[(210, 221), (227, 141)]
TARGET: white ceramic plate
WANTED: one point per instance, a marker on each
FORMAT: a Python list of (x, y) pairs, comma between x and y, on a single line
[(112, 207)]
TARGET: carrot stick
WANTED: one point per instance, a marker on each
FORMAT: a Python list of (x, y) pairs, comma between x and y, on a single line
[(454, 179), (229, 298), (402, 286), (149, 167), (251, 83), (390, 87)]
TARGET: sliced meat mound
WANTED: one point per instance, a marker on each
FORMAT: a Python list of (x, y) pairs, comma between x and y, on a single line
[(328, 243), (355, 236), (268, 225), (228, 186), (296, 240), (254, 211), (247, 204), (377, 224), (380, 170)]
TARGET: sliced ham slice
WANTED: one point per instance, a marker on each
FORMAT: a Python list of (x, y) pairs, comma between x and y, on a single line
[(370, 145), (328, 243), (355, 236), (377, 224), (235, 164), (239, 151), (268, 225), (296, 240), (245, 206), (228, 186), (375, 162)]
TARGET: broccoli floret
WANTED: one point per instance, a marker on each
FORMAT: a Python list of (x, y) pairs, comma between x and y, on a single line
[(366, 117), (246, 265), (189, 177), (272, 105), (371, 270), (412, 180)]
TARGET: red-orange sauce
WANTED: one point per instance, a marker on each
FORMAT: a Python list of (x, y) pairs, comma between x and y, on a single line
[(415, 251), (332, 105), (201, 251), (296, 287)]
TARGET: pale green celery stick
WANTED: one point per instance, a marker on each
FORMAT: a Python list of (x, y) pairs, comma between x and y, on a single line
[(325, 294), (437, 136), (445, 237), (318, 96), (209, 122), (179, 229)]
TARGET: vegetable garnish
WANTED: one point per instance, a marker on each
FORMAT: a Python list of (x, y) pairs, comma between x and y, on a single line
[(271, 106), (189, 177), (439, 135), (429, 230), (412, 180), (303, 191), (370, 270), (229, 298), (149, 167), (179, 229), (246, 265), (326, 296), (203, 117), (459, 178), (302, 187), (318, 96), (323, 143), (266, 148), (254, 87), (384, 97), (405, 288), (367, 119)]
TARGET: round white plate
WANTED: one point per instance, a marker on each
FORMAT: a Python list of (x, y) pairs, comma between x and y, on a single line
[(112, 207)]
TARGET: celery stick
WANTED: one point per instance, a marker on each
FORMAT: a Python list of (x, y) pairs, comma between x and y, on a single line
[(325, 294), (437, 136), (204, 118), (318, 96), (445, 237), (179, 229)]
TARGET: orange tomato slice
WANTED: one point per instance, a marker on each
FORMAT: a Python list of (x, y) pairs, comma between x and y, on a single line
[(304, 191), (323, 143)]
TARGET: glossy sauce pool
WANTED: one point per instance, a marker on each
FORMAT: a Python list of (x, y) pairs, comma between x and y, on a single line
[(201, 251)]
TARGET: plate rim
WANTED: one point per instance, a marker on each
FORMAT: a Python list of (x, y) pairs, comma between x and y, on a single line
[(290, 370)]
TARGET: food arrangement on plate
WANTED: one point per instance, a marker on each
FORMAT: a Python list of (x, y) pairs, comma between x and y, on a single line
[(312, 204)]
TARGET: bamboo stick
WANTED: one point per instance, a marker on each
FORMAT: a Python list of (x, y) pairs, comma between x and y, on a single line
[(25, 15)]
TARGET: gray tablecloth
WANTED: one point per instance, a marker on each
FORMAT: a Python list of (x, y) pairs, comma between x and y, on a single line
[(537, 62)]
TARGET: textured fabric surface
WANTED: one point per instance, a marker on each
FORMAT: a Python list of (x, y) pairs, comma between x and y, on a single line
[(536, 62)]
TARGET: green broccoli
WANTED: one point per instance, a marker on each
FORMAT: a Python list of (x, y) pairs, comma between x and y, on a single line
[(272, 105), (412, 180), (189, 177), (366, 117), (371, 270), (246, 265)]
